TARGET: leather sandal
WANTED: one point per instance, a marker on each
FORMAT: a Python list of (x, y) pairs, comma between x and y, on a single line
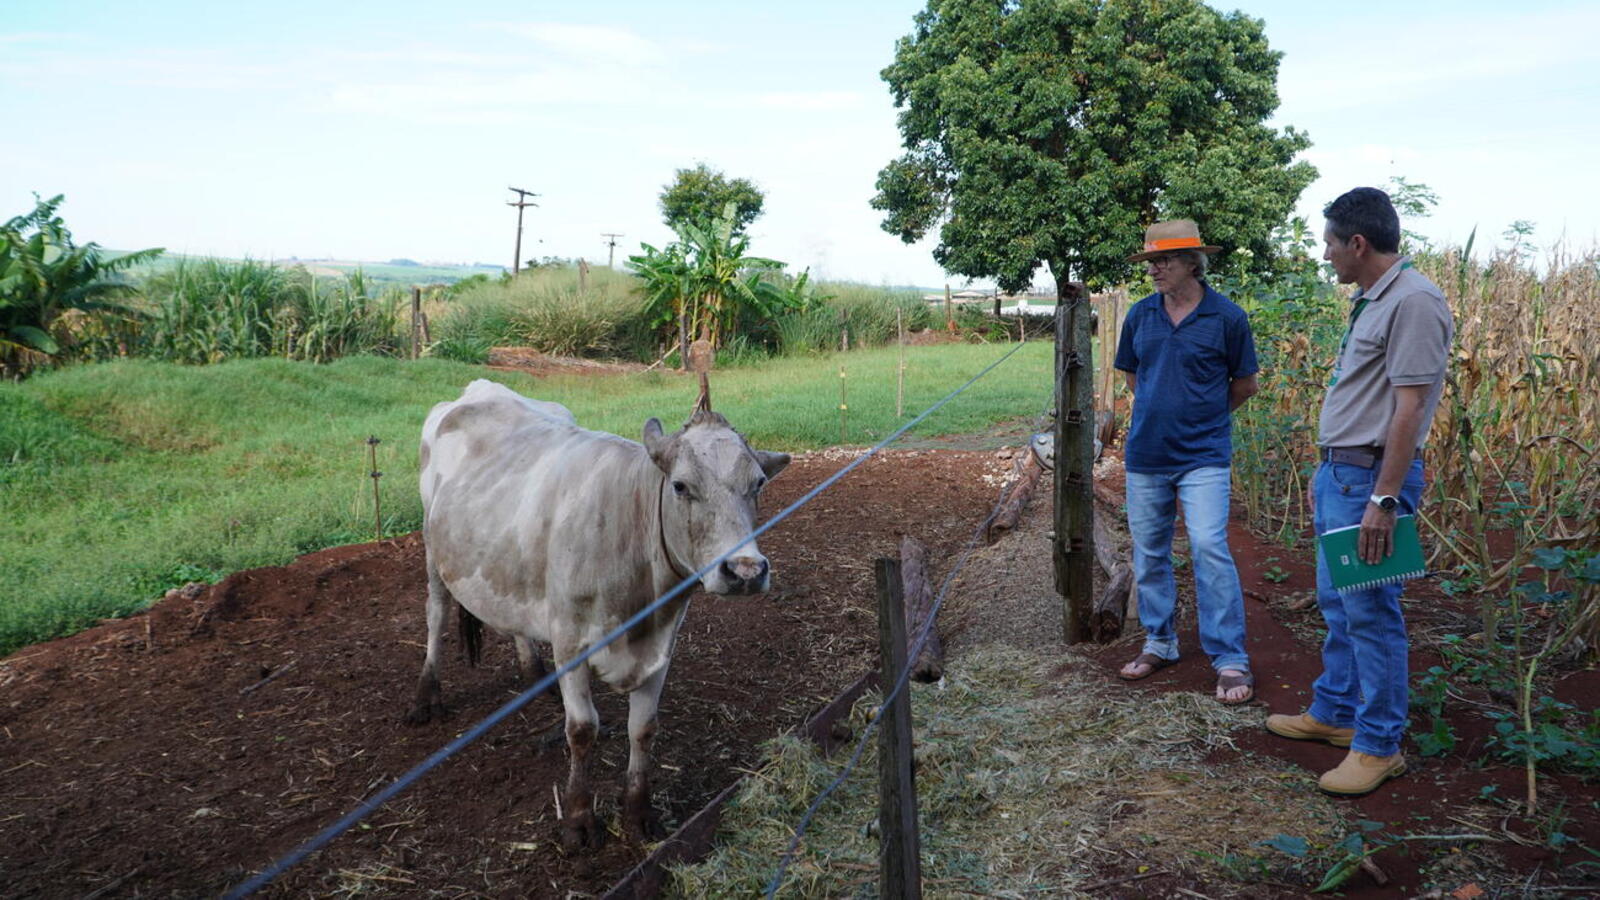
[(1156, 664), (1229, 682)]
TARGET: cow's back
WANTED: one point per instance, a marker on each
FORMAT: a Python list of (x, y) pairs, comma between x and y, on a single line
[(466, 431)]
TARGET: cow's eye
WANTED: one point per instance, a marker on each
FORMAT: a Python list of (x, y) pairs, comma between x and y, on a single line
[(760, 483), (680, 488)]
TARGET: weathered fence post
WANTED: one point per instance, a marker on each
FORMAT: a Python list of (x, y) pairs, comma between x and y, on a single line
[(416, 321), (1074, 495), (900, 846)]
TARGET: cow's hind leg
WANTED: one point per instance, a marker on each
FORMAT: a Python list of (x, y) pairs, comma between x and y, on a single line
[(639, 820), (428, 706), (579, 828)]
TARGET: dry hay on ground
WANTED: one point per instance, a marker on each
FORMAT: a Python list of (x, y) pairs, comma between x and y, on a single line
[(1032, 777)]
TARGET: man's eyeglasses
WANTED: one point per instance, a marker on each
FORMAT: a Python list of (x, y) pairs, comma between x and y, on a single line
[(1161, 262)]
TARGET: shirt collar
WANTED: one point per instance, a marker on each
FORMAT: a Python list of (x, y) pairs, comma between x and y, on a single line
[(1385, 280), (1210, 302)]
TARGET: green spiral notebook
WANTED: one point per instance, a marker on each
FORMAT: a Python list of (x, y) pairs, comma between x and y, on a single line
[(1349, 573)]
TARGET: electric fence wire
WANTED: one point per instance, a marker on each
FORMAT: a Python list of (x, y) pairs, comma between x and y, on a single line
[(366, 808), (899, 684)]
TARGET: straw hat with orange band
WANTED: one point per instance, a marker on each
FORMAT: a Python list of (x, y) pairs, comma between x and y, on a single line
[(1166, 237)]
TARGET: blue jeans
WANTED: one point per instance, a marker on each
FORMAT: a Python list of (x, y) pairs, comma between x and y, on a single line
[(1364, 671), (1219, 598)]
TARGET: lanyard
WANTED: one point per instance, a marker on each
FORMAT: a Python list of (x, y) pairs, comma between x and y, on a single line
[(1361, 304)]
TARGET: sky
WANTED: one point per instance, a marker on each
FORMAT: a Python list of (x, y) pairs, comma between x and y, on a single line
[(372, 131)]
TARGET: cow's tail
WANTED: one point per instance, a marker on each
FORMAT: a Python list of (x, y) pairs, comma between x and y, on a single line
[(471, 628)]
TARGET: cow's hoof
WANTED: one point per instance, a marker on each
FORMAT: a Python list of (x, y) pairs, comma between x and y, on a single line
[(582, 833), (642, 829), (423, 713)]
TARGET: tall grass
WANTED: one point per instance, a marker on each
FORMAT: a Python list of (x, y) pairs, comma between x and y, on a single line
[(868, 313), (550, 310), (210, 310), (126, 478)]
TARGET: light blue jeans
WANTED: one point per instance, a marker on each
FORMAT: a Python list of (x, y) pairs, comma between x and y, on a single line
[(1364, 671), (1152, 510)]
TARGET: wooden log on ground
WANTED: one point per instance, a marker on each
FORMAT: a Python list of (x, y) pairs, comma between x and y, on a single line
[(1016, 499), (929, 664), (1111, 607)]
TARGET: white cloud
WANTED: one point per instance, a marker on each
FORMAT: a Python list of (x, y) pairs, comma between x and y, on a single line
[(595, 42)]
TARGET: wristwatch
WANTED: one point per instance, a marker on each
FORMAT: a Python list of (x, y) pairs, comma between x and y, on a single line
[(1385, 502)]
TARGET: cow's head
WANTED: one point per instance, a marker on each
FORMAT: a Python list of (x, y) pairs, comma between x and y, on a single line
[(708, 502)]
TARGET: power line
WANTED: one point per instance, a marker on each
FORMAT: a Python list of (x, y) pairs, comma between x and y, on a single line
[(366, 808)]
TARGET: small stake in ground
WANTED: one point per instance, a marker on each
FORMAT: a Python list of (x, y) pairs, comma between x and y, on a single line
[(377, 508), (900, 378), (843, 407)]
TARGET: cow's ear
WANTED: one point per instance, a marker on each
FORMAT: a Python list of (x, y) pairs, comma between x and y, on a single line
[(662, 449), (772, 463)]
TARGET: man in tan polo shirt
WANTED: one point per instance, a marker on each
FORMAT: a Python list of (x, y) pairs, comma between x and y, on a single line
[(1386, 386)]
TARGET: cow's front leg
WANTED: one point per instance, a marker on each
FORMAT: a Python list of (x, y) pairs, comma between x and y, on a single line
[(639, 820), (578, 826)]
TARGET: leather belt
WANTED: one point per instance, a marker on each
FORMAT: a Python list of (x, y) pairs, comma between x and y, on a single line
[(1365, 457)]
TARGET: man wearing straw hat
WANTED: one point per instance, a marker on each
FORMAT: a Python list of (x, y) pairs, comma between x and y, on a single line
[(1386, 385), (1190, 360)]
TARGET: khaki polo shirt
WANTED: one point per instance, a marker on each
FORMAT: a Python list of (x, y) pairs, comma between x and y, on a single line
[(1401, 337)]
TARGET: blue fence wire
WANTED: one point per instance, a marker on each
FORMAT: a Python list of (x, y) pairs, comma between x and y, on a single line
[(367, 807)]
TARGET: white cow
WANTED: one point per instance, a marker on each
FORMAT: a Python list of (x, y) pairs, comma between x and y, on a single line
[(550, 532)]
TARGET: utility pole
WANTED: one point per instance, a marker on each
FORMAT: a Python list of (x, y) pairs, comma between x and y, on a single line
[(611, 247), (520, 203)]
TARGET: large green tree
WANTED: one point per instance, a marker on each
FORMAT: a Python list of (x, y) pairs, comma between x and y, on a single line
[(1054, 131), (699, 196)]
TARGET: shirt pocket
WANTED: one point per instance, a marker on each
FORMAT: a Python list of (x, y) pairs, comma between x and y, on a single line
[(1205, 357)]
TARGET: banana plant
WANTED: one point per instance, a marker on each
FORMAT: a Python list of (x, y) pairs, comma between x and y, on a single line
[(707, 282), (43, 275)]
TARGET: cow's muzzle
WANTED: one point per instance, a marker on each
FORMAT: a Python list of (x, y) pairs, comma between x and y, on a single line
[(745, 574)]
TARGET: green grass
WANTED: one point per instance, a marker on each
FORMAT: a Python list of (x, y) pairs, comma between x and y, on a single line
[(123, 479)]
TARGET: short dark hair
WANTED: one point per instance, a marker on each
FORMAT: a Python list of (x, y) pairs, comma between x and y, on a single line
[(1365, 211)]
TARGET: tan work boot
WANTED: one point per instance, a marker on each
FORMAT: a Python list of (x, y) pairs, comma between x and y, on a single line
[(1361, 773), (1305, 728)]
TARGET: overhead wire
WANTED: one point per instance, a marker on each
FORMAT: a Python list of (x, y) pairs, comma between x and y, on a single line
[(366, 807)]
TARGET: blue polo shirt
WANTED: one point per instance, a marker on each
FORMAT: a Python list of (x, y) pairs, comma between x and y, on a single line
[(1180, 411)]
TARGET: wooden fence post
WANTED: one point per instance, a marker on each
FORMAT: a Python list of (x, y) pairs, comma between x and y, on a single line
[(416, 321), (900, 368), (1074, 494), (900, 846)]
